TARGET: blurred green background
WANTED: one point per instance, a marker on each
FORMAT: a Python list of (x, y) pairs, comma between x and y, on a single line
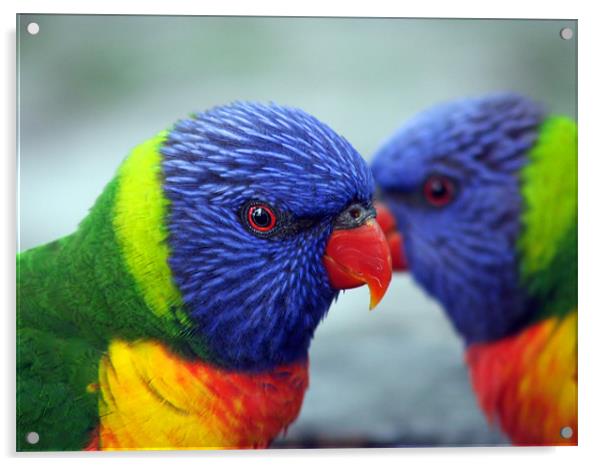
[(90, 88)]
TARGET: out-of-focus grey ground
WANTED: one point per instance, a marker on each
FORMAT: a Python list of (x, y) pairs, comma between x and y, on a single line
[(91, 88)]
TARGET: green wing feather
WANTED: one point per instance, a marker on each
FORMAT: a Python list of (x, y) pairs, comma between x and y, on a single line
[(68, 301), (76, 294)]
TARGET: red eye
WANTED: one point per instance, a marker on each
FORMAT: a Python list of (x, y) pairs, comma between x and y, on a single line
[(438, 190), (261, 218)]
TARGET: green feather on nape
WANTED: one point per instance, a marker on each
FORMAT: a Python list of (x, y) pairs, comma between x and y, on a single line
[(548, 243)]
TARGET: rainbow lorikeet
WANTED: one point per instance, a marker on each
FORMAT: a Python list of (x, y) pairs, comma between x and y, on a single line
[(483, 193), (180, 312)]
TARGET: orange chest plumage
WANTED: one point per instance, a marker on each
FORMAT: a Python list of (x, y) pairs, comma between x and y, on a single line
[(528, 382), (151, 398)]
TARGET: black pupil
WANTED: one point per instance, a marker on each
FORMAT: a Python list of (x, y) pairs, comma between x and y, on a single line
[(261, 217), (438, 189)]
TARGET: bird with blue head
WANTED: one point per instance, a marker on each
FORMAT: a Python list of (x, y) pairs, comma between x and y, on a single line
[(480, 204), (180, 313)]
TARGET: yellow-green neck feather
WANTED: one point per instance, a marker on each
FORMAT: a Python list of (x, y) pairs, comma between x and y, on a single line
[(548, 245), (549, 187), (139, 224)]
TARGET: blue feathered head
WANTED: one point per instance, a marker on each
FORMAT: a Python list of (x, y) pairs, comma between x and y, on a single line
[(450, 179), (256, 193)]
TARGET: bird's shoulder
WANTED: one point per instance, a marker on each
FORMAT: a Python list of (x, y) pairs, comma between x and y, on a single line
[(55, 390)]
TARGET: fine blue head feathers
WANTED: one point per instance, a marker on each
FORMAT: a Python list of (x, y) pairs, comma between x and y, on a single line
[(450, 178), (254, 191)]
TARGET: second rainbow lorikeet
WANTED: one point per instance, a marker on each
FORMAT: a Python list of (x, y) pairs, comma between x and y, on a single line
[(180, 313), (481, 206)]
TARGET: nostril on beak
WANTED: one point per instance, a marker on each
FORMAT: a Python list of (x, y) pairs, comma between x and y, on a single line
[(354, 216)]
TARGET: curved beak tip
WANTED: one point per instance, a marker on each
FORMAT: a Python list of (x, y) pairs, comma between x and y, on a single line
[(376, 295), (359, 256)]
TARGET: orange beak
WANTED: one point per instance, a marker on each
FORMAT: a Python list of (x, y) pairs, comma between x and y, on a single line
[(359, 256), (394, 238)]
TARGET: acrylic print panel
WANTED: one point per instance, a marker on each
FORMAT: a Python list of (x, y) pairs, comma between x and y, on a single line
[(195, 192)]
